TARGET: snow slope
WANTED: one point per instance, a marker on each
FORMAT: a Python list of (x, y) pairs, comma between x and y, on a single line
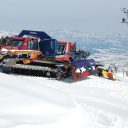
[(35, 102)]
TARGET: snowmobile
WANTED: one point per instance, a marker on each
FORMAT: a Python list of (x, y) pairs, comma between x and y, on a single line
[(109, 73), (40, 55)]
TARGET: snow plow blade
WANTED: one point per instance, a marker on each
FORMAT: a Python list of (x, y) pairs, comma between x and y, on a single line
[(83, 68), (79, 76)]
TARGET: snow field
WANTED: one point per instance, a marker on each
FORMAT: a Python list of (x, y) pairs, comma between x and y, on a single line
[(35, 102)]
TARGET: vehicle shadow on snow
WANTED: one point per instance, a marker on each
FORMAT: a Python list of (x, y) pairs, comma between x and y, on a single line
[(68, 80)]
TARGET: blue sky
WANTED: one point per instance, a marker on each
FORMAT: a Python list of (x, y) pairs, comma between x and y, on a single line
[(46, 15)]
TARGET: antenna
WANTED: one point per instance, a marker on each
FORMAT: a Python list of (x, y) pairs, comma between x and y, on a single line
[(125, 11)]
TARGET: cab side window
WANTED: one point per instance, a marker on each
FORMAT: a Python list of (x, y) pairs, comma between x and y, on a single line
[(73, 48)]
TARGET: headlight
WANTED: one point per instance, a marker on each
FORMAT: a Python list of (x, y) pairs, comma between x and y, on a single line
[(3, 51)]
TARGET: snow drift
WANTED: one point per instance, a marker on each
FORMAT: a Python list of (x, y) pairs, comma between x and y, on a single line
[(35, 102)]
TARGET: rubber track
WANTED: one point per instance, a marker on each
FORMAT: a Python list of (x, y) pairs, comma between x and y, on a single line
[(40, 71)]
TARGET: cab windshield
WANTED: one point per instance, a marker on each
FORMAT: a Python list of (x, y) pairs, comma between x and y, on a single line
[(62, 47), (6, 41), (33, 45), (17, 43)]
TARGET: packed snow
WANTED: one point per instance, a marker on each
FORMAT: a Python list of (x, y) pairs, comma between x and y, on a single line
[(36, 102)]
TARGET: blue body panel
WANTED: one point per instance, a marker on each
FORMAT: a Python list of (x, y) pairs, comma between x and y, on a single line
[(47, 45), (83, 63), (37, 34)]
